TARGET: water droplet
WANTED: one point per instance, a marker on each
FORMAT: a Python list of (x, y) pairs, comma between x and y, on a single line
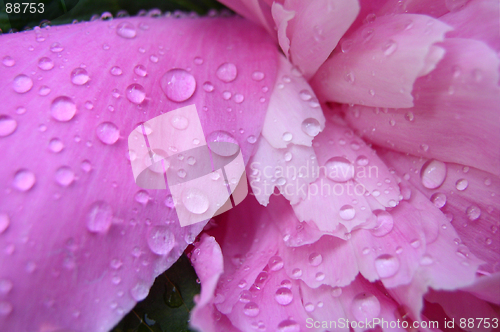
[(386, 265), (44, 90), (410, 116), (283, 296), (433, 173), (258, 76), (179, 122), (415, 243), (7, 125), (287, 137), (296, 273), (346, 45), (367, 34), (178, 85), (116, 71), (251, 309), (426, 260), (136, 93), (172, 296), (153, 58), (251, 139), (347, 212), (320, 276), (365, 306), (99, 217), (115, 264), (309, 307), (245, 296), (311, 127), (22, 83), (24, 180), (315, 259), (21, 110), (349, 77), (195, 201), (275, 263), (142, 197), (108, 133), (140, 291), (473, 212), (79, 76), (56, 48), (64, 176), (389, 47), (208, 87), (4, 224), (462, 184), (140, 70), (227, 72), (222, 143), (160, 240), (438, 199), (86, 166), (339, 169), (126, 30), (385, 223), (8, 61), (336, 291), (288, 325), (288, 156), (239, 98), (45, 63)]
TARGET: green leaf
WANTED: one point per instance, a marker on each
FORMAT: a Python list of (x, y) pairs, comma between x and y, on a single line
[(168, 305)]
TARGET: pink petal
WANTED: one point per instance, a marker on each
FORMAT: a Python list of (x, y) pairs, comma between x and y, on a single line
[(477, 20), (363, 69), (294, 114), (316, 29), (468, 198), (281, 17), (455, 118), (86, 232), (257, 11), (486, 288)]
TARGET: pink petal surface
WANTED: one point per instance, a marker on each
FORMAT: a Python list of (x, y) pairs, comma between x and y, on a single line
[(281, 16), (92, 237), (455, 118), (378, 64), (486, 288), (316, 29), (257, 11)]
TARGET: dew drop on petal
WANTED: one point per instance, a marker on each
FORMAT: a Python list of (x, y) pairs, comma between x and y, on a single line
[(99, 217), (140, 291), (336, 291), (347, 212), (365, 306), (385, 223), (208, 87), (195, 201), (8, 61), (296, 273), (108, 133), (64, 176), (315, 259), (142, 197), (275, 263), (227, 72), (473, 212), (79, 76), (438, 199), (287, 137), (45, 63), (283, 296), (179, 122), (339, 169), (116, 71), (140, 70), (462, 184), (7, 125), (311, 127), (22, 83), (222, 143), (126, 30), (178, 85), (251, 309), (160, 240), (389, 47), (386, 265), (136, 93), (258, 76), (24, 180), (251, 139), (288, 325), (56, 48), (433, 174)]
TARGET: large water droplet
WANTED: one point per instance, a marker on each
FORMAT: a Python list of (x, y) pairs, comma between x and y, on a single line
[(63, 109), (283, 296), (315, 259), (24, 180), (385, 223), (179, 122), (4, 222), (79, 76), (64, 176), (195, 201), (99, 217), (473, 212), (287, 137), (8, 61), (347, 212), (462, 184), (140, 70), (389, 47), (222, 143), (227, 72), (438, 199), (126, 30), (160, 240), (365, 306), (178, 85), (311, 127), (116, 71), (140, 291), (108, 133), (433, 173), (56, 48), (7, 125), (251, 309), (142, 197), (45, 63), (386, 265), (339, 169), (288, 325), (136, 93), (22, 83), (275, 263)]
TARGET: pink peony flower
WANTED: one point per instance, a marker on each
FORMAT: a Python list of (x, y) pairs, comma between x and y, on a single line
[(372, 148)]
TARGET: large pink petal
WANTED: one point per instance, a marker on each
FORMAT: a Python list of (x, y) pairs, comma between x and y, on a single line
[(81, 245), (378, 63), (455, 118)]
